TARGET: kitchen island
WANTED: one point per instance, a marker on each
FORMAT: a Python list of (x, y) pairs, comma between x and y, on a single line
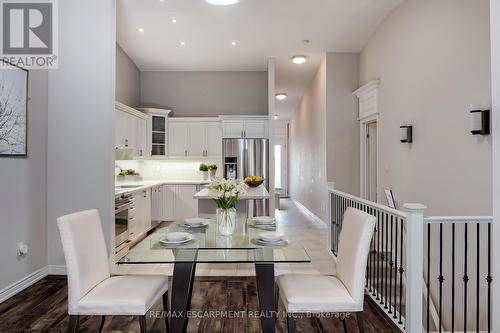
[(255, 202)]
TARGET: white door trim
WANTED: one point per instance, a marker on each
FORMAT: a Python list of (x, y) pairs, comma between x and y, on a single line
[(363, 130)]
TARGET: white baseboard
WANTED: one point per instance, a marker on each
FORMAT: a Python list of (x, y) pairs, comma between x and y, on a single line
[(57, 270), (313, 216), (23, 283)]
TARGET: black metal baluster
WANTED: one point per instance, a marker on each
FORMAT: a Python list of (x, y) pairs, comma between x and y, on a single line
[(465, 279), (378, 259), (477, 276), (380, 216), (428, 273), (395, 316), (391, 264), (440, 277), (453, 278), (489, 278), (386, 259), (401, 271)]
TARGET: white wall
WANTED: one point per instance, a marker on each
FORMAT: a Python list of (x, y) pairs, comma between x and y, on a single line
[(308, 180), (342, 133), (81, 117), (433, 59), (128, 89), (23, 193), (206, 93), (495, 72)]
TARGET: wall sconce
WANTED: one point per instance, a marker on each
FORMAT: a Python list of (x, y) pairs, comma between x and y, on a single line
[(480, 122), (406, 133)]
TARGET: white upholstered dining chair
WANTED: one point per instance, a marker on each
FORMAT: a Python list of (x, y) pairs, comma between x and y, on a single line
[(342, 293), (91, 288)]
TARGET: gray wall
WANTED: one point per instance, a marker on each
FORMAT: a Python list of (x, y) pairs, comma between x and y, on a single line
[(23, 193), (342, 126), (206, 93), (433, 59), (307, 168), (81, 117), (128, 90)]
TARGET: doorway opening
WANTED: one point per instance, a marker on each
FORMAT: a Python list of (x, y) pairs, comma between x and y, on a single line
[(369, 159)]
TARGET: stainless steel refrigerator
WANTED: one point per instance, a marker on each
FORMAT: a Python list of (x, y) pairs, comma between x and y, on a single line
[(248, 157)]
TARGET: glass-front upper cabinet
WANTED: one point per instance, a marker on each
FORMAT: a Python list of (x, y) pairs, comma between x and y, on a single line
[(158, 131)]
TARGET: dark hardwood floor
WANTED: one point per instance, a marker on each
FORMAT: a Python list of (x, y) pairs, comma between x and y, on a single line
[(43, 308)]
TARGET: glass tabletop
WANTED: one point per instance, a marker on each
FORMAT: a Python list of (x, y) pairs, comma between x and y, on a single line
[(208, 246)]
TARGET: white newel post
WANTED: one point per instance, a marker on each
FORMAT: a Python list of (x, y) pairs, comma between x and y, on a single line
[(414, 266)]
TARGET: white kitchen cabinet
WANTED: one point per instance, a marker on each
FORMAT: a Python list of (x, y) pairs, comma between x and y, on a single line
[(251, 128), (131, 130), (178, 202), (168, 195), (156, 134), (140, 213), (233, 129), (195, 137), (256, 129), (213, 139), (156, 205), (186, 205), (177, 139)]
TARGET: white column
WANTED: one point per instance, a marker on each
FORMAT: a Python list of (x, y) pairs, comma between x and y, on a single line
[(495, 122), (414, 266)]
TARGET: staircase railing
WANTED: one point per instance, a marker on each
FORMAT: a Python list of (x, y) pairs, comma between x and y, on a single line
[(404, 251)]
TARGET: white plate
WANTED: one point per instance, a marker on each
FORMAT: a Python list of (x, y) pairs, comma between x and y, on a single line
[(264, 220), (270, 237), (195, 221), (176, 238)]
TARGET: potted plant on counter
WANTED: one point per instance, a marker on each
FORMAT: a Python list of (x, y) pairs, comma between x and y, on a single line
[(204, 171), (226, 193), (212, 169), (128, 175)]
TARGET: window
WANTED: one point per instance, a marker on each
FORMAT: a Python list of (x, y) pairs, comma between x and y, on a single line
[(277, 165)]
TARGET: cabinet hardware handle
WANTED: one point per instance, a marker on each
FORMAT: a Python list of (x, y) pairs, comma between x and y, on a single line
[(241, 133), (185, 153), (126, 142)]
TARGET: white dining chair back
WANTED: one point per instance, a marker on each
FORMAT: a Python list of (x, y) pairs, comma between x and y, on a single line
[(354, 247), (85, 253)]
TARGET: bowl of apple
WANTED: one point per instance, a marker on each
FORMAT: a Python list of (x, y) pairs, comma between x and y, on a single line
[(254, 181)]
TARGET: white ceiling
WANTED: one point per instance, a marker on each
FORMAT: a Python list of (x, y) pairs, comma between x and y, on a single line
[(261, 29)]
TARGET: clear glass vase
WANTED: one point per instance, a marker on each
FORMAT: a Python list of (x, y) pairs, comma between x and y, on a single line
[(226, 221)]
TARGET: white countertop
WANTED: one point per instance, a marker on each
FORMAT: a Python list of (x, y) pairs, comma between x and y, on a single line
[(131, 187), (253, 193)]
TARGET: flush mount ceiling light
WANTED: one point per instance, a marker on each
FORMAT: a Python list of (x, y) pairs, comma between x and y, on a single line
[(222, 2), (281, 96), (299, 59)]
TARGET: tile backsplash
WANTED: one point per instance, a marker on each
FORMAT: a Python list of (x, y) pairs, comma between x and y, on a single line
[(169, 169)]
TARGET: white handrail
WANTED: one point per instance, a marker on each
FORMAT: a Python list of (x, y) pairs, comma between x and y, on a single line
[(458, 219), (387, 209)]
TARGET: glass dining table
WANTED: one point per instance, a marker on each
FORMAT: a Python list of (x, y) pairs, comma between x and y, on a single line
[(208, 246)]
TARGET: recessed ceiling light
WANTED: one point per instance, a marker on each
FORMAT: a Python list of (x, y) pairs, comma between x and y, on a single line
[(299, 59), (222, 2), (281, 96), (275, 117), (174, 21), (141, 30), (183, 43), (233, 43), (162, 0)]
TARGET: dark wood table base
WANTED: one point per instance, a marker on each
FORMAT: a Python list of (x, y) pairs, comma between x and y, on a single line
[(182, 289)]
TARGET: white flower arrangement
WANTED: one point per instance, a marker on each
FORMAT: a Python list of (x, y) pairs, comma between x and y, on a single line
[(226, 191)]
